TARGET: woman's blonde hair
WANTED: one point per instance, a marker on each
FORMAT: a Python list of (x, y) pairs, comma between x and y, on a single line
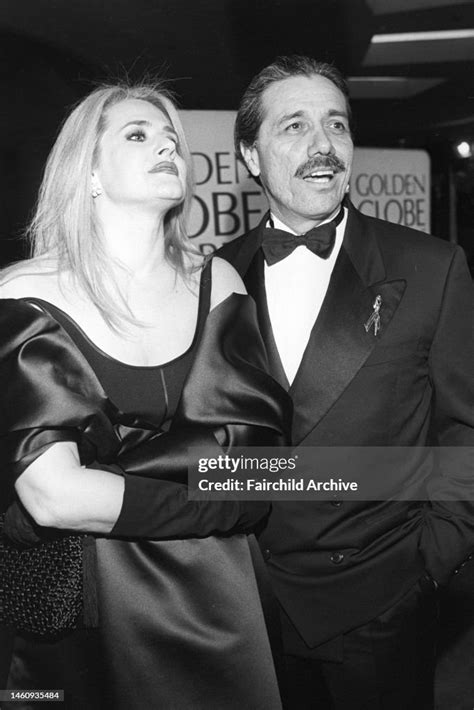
[(64, 225)]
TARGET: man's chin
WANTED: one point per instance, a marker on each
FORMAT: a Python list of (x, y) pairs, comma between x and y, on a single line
[(322, 209)]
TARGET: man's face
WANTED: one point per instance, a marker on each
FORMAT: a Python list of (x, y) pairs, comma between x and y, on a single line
[(303, 152)]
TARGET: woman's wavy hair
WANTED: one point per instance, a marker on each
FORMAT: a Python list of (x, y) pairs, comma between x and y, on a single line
[(65, 226)]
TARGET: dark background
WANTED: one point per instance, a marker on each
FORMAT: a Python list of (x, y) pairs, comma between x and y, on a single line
[(408, 94)]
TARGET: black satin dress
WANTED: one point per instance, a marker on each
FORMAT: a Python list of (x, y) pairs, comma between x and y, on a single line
[(181, 624)]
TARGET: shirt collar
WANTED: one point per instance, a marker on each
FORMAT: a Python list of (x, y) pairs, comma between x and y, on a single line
[(278, 224)]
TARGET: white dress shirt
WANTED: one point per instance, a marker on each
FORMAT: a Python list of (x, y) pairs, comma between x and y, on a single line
[(295, 289)]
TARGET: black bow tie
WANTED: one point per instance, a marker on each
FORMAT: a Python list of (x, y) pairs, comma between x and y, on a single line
[(278, 244)]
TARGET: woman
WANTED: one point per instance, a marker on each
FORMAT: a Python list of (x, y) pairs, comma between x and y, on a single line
[(106, 344)]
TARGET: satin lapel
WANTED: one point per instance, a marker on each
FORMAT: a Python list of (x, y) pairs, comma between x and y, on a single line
[(339, 344), (241, 251), (255, 283)]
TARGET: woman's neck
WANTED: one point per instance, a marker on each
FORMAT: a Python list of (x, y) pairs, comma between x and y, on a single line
[(134, 239)]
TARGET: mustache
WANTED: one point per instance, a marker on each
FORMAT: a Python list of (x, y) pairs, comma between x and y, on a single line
[(319, 162)]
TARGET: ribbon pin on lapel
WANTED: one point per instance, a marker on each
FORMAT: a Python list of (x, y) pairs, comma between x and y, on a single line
[(374, 319)]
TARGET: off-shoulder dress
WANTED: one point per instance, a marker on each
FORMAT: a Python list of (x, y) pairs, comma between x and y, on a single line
[(180, 618)]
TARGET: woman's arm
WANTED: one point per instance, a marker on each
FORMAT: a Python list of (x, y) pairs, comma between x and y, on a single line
[(60, 493), (43, 422)]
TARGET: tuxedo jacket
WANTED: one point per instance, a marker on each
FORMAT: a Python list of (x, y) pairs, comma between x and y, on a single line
[(337, 564)]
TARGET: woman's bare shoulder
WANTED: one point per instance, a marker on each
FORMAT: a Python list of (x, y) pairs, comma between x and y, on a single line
[(29, 278), (225, 280)]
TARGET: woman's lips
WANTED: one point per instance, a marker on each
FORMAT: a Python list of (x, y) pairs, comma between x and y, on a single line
[(165, 167)]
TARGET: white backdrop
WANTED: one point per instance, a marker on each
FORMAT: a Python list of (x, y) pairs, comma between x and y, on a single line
[(386, 183)]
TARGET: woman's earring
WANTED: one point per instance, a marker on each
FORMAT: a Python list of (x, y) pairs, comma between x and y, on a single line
[(96, 189)]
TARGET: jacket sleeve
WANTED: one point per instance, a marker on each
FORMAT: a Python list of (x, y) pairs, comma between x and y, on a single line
[(448, 534)]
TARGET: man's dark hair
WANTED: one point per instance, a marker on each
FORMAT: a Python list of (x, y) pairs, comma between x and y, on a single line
[(250, 113)]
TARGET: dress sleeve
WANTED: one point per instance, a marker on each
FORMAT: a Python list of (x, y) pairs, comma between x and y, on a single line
[(228, 400), (49, 393)]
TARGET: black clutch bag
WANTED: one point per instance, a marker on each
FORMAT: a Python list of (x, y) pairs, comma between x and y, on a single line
[(41, 587)]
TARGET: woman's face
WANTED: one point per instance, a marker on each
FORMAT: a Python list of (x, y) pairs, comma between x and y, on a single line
[(138, 158)]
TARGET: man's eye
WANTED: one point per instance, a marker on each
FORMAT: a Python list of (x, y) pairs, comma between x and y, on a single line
[(137, 136), (294, 127), (339, 126)]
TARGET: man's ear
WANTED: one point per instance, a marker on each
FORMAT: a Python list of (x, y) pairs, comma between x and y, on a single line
[(250, 156)]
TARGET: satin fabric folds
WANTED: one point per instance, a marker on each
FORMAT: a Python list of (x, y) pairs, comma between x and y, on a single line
[(181, 623)]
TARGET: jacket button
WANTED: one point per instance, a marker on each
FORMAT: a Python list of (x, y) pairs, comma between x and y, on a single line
[(336, 503), (266, 555), (336, 558)]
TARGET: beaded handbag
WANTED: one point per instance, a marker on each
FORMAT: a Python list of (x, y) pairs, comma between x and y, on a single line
[(41, 587)]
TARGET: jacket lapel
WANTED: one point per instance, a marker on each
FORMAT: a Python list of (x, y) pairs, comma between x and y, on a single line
[(339, 343), (255, 283), (249, 262)]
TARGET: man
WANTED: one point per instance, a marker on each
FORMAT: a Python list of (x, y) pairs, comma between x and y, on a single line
[(373, 337)]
